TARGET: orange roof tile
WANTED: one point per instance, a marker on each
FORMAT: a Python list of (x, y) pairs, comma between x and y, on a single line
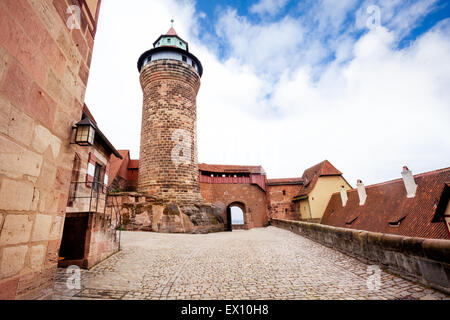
[(284, 181), (117, 165), (310, 175), (387, 203)]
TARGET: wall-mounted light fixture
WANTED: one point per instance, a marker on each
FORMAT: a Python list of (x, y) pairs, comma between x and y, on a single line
[(85, 132)]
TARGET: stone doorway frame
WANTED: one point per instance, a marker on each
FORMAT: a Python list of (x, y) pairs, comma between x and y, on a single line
[(242, 206)]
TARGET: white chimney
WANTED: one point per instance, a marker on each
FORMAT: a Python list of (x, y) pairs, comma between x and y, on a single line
[(344, 196), (410, 184), (361, 192)]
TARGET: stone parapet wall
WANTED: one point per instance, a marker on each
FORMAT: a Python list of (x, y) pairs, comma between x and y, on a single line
[(423, 260)]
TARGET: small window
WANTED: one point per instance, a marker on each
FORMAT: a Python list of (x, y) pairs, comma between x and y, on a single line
[(284, 192), (351, 221), (181, 43), (286, 211), (99, 175), (184, 58), (168, 39), (396, 223)]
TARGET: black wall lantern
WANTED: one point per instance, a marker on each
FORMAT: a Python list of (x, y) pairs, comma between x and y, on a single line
[(85, 132)]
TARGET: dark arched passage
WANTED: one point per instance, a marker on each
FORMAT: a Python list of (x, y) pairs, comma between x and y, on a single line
[(235, 215)]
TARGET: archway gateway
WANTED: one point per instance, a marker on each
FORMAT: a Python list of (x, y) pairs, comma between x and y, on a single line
[(235, 216)]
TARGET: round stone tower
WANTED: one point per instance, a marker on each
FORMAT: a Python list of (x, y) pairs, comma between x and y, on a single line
[(170, 79)]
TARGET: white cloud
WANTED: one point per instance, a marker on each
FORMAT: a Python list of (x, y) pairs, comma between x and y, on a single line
[(269, 47), (395, 14), (270, 7)]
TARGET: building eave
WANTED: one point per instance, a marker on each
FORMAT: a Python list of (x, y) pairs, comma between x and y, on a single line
[(167, 48)]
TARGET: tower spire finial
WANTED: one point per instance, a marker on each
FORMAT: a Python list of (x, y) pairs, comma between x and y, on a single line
[(171, 21)]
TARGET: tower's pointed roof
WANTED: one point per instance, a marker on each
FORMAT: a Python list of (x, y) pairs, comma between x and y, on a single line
[(167, 40), (170, 41), (171, 32)]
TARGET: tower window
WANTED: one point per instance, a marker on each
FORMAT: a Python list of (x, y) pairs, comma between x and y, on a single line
[(284, 192), (168, 39), (184, 58)]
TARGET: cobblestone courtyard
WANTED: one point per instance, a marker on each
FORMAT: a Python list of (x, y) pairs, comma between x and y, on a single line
[(262, 263)]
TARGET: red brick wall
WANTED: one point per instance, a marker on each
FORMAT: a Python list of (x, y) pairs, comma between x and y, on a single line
[(44, 68), (278, 203), (132, 175), (170, 88), (252, 196)]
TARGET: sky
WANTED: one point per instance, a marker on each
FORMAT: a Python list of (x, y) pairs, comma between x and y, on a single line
[(288, 84)]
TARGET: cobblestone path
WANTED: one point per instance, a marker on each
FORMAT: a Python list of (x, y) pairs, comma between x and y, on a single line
[(262, 263)]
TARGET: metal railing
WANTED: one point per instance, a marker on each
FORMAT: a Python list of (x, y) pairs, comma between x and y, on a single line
[(99, 203)]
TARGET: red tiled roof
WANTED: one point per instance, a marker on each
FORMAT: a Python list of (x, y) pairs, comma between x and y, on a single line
[(443, 202), (387, 202), (284, 181), (310, 176), (230, 168), (88, 112), (116, 165)]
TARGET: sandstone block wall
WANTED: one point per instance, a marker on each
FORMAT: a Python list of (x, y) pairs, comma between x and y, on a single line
[(101, 239), (145, 213), (44, 68), (424, 260), (280, 205), (168, 149)]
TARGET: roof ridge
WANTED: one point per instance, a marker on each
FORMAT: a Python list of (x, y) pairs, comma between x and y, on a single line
[(226, 165), (418, 175)]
